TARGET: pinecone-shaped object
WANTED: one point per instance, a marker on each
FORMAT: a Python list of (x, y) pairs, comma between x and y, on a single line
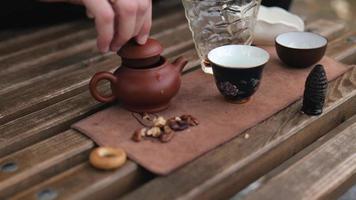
[(315, 91)]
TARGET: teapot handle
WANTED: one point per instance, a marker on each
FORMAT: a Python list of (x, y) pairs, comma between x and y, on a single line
[(94, 82)]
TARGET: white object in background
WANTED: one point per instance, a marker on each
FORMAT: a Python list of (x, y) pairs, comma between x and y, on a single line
[(272, 21)]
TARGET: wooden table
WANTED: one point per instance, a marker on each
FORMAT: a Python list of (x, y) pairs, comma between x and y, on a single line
[(43, 90)]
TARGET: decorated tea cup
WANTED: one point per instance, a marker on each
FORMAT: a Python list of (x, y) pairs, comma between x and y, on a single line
[(238, 70)]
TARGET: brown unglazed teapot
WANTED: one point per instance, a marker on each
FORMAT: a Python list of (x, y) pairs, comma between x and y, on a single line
[(145, 81)]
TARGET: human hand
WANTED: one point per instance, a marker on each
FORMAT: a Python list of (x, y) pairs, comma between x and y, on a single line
[(117, 21)]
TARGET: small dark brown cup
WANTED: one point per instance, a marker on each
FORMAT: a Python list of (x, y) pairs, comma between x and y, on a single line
[(238, 70), (300, 49)]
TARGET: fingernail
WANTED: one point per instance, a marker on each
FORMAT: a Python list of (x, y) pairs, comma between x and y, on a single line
[(90, 15), (115, 48), (142, 40), (104, 49)]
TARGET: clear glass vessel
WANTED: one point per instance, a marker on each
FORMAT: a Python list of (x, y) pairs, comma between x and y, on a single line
[(215, 23)]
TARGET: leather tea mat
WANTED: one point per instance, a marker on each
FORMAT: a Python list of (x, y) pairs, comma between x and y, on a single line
[(220, 121)]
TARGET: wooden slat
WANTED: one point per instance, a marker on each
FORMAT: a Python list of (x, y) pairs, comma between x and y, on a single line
[(49, 91), (7, 47), (308, 178), (192, 56), (37, 162), (295, 158), (45, 123), (85, 182), (327, 28), (13, 81), (44, 53), (344, 48)]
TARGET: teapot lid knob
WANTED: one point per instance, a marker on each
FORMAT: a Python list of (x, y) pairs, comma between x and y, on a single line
[(133, 50)]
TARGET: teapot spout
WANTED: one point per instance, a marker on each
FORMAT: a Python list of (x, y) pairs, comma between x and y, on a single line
[(180, 63)]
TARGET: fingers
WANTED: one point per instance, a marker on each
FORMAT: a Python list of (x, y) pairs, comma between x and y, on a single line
[(125, 17), (104, 22), (133, 19), (119, 21), (144, 30)]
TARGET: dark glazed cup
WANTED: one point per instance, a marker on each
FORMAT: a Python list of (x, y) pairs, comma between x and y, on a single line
[(300, 49), (238, 70)]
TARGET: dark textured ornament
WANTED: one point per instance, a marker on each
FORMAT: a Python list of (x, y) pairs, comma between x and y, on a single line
[(315, 91)]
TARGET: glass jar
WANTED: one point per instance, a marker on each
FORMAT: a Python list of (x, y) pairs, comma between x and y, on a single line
[(215, 23)]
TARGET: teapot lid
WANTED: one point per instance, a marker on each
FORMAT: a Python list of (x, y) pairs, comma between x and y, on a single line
[(133, 50)]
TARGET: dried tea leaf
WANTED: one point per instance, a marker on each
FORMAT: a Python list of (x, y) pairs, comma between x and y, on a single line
[(139, 134), (159, 122), (154, 132)]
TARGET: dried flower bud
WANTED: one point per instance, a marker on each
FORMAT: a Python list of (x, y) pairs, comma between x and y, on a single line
[(167, 129), (177, 124), (173, 124), (182, 125), (139, 134), (146, 116), (192, 121), (159, 122), (163, 129), (154, 132), (185, 117), (166, 137)]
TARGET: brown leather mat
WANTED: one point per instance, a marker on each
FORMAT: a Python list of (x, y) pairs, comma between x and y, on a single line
[(220, 121)]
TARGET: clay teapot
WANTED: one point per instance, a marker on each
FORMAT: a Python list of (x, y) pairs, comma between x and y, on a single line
[(145, 81)]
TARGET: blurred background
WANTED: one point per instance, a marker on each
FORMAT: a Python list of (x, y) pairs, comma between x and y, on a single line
[(343, 10), (22, 16), (31, 13)]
